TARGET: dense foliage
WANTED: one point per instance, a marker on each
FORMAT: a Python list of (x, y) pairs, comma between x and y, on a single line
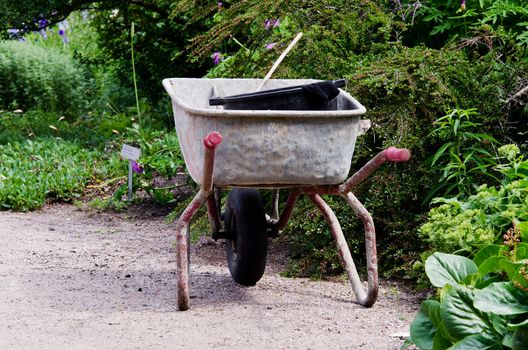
[(37, 77), (32, 172)]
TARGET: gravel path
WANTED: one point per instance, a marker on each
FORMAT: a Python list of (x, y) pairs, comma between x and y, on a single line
[(76, 280)]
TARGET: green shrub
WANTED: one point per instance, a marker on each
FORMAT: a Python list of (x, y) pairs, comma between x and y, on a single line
[(36, 77), (32, 172), (468, 225), (465, 159), (439, 21)]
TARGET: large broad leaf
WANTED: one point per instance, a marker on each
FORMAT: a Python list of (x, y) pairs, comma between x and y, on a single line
[(487, 252), (424, 325), (449, 269), (461, 318), (441, 340), (520, 339), (477, 341), (502, 299)]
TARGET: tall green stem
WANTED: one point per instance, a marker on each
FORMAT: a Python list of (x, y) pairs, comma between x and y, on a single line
[(134, 73)]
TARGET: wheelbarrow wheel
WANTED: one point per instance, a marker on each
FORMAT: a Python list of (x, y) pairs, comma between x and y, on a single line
[(246, 254)]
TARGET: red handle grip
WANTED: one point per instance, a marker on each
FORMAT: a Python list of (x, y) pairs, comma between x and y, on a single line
[(394, 154), (212, 140)]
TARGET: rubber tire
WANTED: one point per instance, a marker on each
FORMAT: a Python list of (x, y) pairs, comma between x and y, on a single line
[(247, 254)]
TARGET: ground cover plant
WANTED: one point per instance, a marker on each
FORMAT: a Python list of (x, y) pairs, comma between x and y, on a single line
[(482, 304), (32, 172)]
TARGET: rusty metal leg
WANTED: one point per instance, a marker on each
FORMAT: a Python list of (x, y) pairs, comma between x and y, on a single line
[(365, 298), (182, 250), (212, 213), (211, 141), (370, 246)]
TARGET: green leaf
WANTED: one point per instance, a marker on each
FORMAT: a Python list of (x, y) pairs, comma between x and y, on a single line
[(491, 265), (472, 279), (423, 327), (450, 269), (514, 326), (510, 268), (521, 253), (483, 283), (406, 344), (477, 341), (460, 317), (501, 298), (439, 153), (441, 340), (523, 226), (499, 322), (508, 339), (520, 339), (486, 252)]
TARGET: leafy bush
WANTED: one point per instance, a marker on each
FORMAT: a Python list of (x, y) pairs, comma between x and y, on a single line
[(335, 37), (37, 77), (32, 172), (463, 160), (477, 309), (467, 225), (437, 21)]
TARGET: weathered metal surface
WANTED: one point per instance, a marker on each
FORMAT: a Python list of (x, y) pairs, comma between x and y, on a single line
[(370, 248), (212, 214), (182, 257), (264, 148), (391, 154), (365, 298), (365, 171), (211, 141), (394, 154)]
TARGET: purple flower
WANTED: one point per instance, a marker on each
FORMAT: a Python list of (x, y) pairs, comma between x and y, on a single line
[(271, 23), (42, 23), (463, 5), (217, 56), (220, 4), (62, 33), (136, 167), (270, 46)]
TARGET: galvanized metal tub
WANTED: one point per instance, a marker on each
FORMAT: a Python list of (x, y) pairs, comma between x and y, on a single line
[(264, 148)]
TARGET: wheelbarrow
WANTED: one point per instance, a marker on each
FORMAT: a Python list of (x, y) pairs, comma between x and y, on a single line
[(308, 152)]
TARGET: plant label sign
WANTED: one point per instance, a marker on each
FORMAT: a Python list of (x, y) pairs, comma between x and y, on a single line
[(130, 153)]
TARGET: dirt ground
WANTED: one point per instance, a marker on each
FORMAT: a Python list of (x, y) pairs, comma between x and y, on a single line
[(71, 279)]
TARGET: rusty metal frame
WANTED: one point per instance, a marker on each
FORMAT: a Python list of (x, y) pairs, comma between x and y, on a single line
[(211, 141), (207, 196)]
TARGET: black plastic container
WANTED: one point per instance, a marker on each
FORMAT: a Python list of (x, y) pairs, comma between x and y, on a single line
[(301, 97)]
